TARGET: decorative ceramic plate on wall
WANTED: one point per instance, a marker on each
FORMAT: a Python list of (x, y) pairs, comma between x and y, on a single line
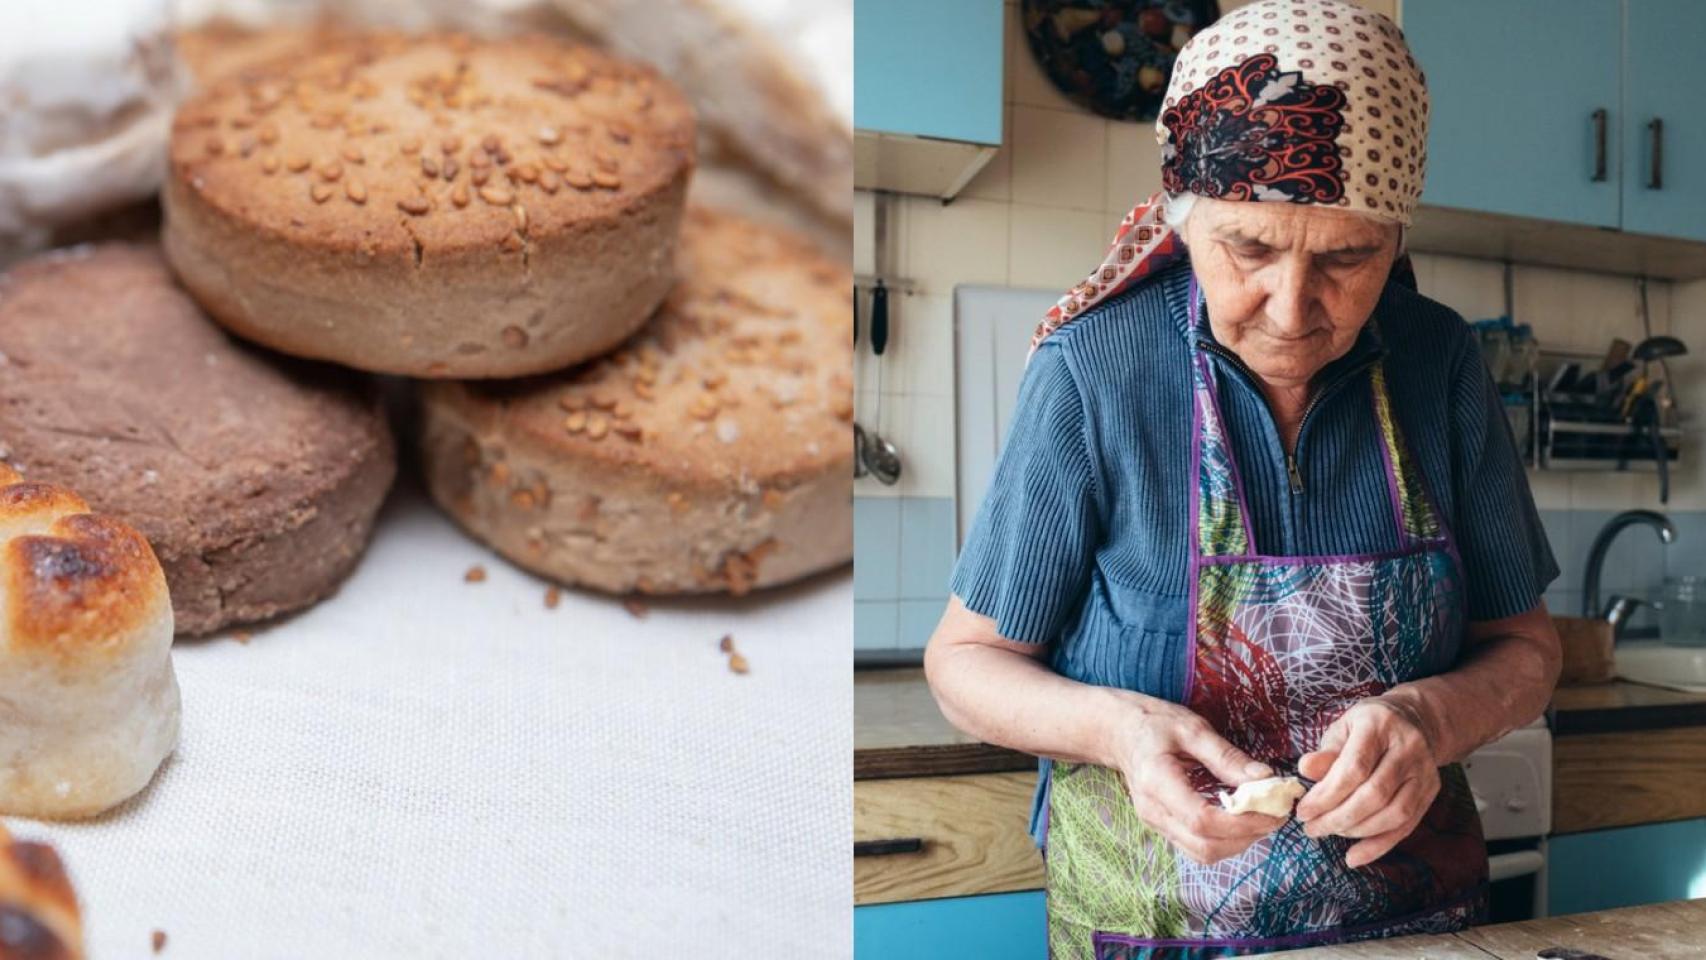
[(1113, 56)]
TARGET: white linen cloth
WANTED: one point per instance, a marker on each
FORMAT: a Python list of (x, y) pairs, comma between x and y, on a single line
[(422, 767)]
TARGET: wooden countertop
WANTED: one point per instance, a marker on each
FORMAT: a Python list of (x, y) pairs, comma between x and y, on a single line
[(1621, 706), (899, 732), (1660, 931)]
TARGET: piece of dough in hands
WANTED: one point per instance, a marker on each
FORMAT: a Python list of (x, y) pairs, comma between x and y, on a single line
[(1273, 796)]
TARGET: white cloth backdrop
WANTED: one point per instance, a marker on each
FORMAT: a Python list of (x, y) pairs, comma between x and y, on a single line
[(422, 767)]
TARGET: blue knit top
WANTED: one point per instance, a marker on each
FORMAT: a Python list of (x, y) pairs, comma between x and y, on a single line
[(1081, 540)]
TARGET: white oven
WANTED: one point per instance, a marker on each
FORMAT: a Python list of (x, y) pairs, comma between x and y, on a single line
[(1512, 781)]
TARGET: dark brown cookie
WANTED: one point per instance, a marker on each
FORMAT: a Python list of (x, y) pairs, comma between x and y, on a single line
[(255, 478)]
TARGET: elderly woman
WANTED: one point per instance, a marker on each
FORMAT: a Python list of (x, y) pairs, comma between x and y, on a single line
[(1259, 514)]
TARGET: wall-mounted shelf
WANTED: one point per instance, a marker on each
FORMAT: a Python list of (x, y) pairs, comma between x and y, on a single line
[(1575, 445)]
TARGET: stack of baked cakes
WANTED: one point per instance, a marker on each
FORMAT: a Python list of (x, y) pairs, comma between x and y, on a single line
[(463, 211)]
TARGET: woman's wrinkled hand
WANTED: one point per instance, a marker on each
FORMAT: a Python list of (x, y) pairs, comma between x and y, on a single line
[(1376, 778), (1157, 751)]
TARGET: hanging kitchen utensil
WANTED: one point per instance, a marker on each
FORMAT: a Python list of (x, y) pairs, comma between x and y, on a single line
[(879, 318), (882, 459), (880, 456), (1657, 348), (859, 468), (1646, 420)]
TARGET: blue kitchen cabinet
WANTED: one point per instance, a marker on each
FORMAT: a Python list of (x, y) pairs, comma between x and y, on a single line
[(1605, 869), (1005, 926), (1516, 86), (1661, 56), (937, 68)]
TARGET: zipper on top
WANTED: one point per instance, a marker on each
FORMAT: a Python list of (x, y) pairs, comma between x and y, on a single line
[(1292, 472)]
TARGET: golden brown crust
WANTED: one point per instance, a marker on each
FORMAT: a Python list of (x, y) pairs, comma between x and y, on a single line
[(38, 909), (74, 580), (502, 142), (19, 499)]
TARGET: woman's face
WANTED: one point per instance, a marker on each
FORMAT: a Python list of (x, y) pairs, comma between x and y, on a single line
[(1288, 285)]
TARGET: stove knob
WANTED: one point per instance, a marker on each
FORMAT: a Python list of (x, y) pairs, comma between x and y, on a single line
[(1516, 804)]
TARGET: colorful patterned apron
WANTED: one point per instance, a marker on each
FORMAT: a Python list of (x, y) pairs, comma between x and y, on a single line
[(1280, 648)]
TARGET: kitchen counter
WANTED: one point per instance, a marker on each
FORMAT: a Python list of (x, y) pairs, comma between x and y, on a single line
[(898, 731), (1622, 706), (1660, 931), (1626, 754)]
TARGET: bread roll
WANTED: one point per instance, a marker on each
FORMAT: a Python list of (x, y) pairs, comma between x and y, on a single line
[(87, 695)]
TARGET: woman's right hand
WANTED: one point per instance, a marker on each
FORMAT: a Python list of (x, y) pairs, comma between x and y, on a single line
[(1154, 750), (1000, 691)]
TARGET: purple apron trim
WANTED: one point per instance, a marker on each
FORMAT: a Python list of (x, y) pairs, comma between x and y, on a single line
[(1391, 474), (1336, 934), (1196, 534), (1046, 776), (1420, 546)]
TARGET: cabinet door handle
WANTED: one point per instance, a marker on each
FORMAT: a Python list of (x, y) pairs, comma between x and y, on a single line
[(1599, 117), (1656, 129), (882, 848)]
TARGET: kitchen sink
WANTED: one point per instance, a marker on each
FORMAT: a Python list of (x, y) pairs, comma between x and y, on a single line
[(1663, 665)]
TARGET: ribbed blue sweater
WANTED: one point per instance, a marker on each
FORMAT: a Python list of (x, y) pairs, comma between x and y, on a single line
[(1081, 539)]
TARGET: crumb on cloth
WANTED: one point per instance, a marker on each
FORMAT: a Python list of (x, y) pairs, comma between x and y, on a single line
[(737, 662)]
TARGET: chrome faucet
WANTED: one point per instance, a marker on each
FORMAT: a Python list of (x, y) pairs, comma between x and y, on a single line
[(1602, 543)]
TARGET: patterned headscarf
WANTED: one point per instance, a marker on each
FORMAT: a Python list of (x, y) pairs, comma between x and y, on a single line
[(1280, 101)]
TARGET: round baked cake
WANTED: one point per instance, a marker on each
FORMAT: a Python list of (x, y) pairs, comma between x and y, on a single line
[(91, 702), (712, 452), (255, 477), (431, 206)]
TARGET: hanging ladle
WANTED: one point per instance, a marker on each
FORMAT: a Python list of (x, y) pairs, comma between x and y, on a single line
[(879, 455)]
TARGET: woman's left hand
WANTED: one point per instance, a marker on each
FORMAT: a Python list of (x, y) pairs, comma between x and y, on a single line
[(1376, 778)]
